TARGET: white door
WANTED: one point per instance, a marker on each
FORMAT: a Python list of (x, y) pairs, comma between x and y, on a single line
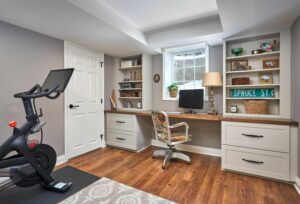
[(84, 101)]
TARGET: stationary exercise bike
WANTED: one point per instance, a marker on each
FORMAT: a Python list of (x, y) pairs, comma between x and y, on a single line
[(34, 161)]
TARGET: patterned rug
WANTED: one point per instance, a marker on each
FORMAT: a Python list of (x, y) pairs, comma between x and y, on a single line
[(106, 191)]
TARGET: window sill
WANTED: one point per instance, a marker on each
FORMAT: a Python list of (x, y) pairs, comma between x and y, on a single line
[(168, 98)]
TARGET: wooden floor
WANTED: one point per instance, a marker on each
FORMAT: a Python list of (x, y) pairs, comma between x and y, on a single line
[(201, 182)]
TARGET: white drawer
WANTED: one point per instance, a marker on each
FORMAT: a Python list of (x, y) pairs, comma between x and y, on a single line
[(121, 139), (258, 162), (121, 122), (260, 136)]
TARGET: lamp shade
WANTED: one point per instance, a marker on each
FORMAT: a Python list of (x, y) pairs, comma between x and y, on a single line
[(212, 79)]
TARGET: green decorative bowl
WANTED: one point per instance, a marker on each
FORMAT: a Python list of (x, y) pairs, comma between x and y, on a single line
[(237, 51)]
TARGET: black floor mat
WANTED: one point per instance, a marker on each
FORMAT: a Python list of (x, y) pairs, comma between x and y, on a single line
[(38, 195)]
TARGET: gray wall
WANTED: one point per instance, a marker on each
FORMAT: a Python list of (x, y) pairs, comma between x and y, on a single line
[(109, 80), (295, 77), (25, 59), (207, 134)]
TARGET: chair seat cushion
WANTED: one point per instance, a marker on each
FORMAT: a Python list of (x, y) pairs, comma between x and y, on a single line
[(175, 137)]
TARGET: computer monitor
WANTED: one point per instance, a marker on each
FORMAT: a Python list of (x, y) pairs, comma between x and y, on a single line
[(192, 99), (58, 77)]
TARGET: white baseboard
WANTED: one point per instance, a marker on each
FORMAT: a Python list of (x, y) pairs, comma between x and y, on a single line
[(191, 148), (61, 159), (297, 185)]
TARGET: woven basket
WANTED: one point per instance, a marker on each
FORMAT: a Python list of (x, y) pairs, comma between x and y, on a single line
[(257, 107)]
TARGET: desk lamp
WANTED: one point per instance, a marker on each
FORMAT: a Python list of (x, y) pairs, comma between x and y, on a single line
[(212, 80)]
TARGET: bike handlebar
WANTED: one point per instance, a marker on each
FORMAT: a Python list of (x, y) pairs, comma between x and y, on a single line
[(36, 92)]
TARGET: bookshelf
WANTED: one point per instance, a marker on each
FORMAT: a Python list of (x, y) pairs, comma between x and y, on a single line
[(257, 74), (133, 74)]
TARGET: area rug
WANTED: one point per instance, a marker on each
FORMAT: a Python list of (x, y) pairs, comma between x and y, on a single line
[(38, 195), (106, 191)]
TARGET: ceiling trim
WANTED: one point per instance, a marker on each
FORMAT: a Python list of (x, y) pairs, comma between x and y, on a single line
[(110, 17)]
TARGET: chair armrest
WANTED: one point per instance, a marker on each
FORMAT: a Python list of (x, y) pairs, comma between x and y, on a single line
[(182, 124), (179, 125)]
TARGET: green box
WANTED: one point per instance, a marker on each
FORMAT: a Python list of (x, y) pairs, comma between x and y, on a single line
[(252, 93)]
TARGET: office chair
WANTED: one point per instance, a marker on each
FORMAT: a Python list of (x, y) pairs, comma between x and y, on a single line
[(163, 132)]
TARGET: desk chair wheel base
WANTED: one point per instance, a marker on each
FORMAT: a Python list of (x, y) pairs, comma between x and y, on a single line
[(171, 154)]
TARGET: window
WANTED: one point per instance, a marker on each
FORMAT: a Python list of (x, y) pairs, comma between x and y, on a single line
[(184, 66)]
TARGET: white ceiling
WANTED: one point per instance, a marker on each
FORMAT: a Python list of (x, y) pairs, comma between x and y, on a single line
[(61, 20), (123, 27), (255, 16), (152, 14)]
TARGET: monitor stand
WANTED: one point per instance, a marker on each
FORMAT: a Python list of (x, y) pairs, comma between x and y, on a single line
[(191, 111)]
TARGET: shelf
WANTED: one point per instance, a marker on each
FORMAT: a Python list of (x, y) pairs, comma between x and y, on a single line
[(136, 81), (252, 85), (130, 68), (133, 98), (253, 71), (131, 89), (265, 54), (230, 98)]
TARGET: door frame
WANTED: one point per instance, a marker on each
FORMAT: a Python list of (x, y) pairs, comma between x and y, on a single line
[(66, 137)]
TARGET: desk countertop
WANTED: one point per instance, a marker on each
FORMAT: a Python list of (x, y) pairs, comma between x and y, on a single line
[(206, 117)]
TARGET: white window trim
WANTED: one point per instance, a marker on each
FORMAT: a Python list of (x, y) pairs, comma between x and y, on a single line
[(165, 92)]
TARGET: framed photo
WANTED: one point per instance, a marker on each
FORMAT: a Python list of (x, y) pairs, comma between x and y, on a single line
[(239, 65), (270, 63), (233, 109), (266, 78)]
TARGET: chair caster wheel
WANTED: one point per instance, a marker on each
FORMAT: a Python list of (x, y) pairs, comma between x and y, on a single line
[(163, 167), (188, 163), (153, 157)]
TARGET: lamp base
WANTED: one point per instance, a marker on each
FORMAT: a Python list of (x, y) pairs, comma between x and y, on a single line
[(212, 113)]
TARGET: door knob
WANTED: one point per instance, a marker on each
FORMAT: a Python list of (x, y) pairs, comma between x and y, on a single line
[(73, 106)]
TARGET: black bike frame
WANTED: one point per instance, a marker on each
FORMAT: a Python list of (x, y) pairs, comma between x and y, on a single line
[(18, 142)]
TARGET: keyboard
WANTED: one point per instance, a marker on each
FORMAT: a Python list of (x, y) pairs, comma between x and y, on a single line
[(174, 113)]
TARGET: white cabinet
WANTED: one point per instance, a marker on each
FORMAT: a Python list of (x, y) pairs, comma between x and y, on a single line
[(124, 131), (259, 162), (258, 136), (259, 149)]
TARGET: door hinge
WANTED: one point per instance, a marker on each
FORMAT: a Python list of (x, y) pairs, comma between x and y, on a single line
[(101, 136), (101, 64), (101, 100)]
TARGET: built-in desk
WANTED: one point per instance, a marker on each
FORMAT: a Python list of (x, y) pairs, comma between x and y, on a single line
[(259, 146), (220, 117)]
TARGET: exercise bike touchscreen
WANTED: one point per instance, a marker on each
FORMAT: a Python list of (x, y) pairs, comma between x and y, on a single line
[(58, 77)]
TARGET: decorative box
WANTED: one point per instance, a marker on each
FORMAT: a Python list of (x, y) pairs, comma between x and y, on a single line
[(241, 81), (126, 86), (126, 63)]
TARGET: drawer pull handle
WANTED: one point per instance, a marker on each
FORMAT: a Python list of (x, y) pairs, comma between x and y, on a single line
[(120, 121), (252, 161), (119, 138), (257, 136)]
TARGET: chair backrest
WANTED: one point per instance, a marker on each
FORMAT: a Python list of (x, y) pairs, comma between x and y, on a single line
[(161, 124)]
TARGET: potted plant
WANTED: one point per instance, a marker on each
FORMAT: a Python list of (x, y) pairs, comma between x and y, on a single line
[(173, 89)]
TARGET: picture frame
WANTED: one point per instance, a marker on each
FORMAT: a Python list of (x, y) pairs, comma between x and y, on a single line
[(270, 63), (239, 65), (265, 78), (233, 109)]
